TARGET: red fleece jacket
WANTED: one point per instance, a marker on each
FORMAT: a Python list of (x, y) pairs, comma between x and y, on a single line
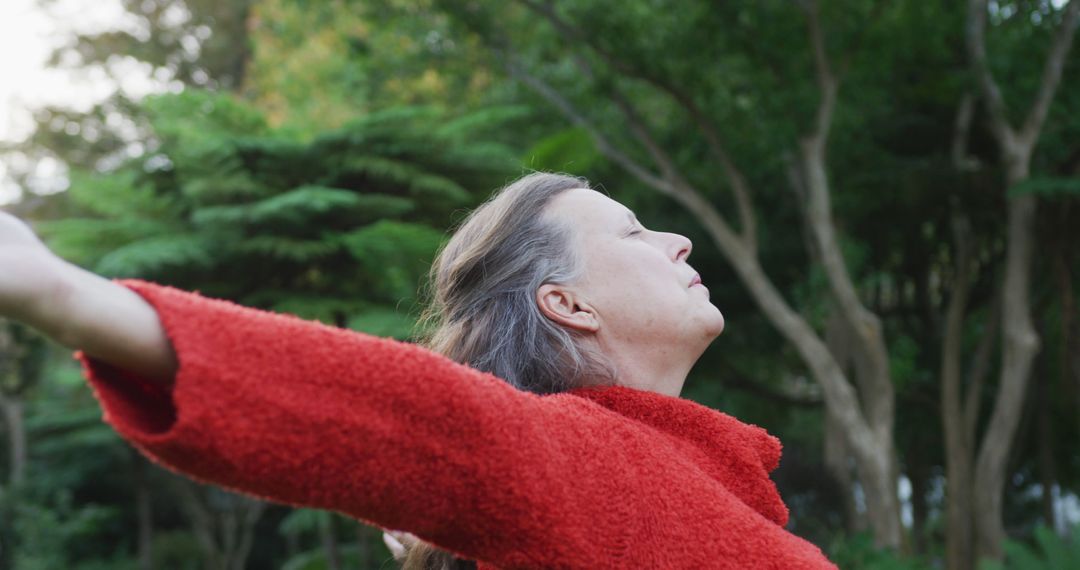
[(305, 414)]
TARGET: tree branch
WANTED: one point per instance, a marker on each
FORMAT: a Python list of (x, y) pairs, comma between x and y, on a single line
[(826, 80), (979, 369), (877, 383), (609, 150), (814, 182), (1052, 72), (962, 161), (952, 345), (736, 180), (735, 379), (871, 442), (638, 127), (975, 35)]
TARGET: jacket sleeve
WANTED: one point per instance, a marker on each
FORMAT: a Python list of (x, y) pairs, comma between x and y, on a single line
[(305, 414)]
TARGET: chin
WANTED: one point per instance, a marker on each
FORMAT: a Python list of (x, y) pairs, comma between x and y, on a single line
[(716, 324)]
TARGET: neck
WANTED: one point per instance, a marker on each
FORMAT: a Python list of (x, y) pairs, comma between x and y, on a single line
[(655, 368)]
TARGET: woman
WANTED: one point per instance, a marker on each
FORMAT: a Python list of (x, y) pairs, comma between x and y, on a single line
[(541, 428)]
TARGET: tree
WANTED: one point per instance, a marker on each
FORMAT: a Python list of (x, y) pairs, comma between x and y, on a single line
[(595, 39), (339, 228), (22, 356), (179, 43), (1020, 341)]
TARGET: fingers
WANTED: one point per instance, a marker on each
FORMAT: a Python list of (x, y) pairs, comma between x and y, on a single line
[(399, 542), (395, 546)]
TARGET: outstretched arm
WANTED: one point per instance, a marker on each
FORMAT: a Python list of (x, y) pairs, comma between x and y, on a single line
[(79, 309), (388, 432)]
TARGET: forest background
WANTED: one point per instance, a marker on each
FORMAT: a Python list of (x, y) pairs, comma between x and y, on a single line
[(882, 195)]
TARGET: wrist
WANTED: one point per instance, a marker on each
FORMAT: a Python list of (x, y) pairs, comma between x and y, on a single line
[(50, 307)]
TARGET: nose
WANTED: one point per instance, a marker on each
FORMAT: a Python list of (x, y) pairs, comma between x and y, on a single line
[(683, 247)]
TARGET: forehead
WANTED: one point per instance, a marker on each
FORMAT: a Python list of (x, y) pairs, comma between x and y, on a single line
[(589, 210)]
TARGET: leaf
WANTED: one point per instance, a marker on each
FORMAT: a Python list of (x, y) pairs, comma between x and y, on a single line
[(1048, 187), (1021, 557), (85, 240), (322, 308), (1054, 548), (400, 253), (286, 248), (299, 521), (120, 194), (488, 118), (388, 323), (157, 255), (570, 150)]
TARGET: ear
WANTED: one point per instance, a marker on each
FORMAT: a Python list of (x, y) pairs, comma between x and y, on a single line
[(562, 306)]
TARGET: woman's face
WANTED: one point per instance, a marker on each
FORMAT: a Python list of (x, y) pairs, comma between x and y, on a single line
[(637, 281)]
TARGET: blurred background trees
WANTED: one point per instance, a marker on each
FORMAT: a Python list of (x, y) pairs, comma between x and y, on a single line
[(883, 198)]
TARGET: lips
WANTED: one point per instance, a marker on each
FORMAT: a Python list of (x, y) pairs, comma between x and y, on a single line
[(695, 281)]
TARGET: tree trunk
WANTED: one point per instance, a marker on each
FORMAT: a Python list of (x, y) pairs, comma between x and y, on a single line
[(918, 474), (143, 512), (868, 425), (11, 408), (876, 464), (959, 448), (224, 525), (871, 444), (328, 535), (292, 544), (1020, 343), (364, 555), (837, 451), (12, 384), (960, 519), (1047, 465), (837, 461), (1069, 363), (250, 512)]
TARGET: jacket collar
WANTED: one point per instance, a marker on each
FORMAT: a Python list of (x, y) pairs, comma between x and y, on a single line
[(738, 455)]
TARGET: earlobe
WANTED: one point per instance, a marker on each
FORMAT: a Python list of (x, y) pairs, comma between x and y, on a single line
[(564, 308)]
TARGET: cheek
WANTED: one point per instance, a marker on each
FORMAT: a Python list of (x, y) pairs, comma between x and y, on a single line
[(630, 275), (635, 282)]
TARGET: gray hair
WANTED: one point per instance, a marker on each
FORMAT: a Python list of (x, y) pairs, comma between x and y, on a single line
[(483, 309)]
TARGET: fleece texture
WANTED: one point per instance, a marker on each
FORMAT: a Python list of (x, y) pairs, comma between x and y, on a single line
[(390, 433)]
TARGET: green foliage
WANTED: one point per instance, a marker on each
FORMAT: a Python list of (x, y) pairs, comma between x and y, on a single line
[(1048, 187), (904, 360), (300, 521), (315, 525), (176, 550), (571, 150), (123, 194), (201, 118), (340, 227), (227, 206), (1049, 552), (323, 187), (158, 255), (401, 251), (298, 206), (857, 552), (315, 559), (86, 239), (385, 323), (50, 536)]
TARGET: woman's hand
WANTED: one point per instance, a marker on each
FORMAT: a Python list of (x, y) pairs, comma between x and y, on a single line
[(29, 272), (399, 543), (79, 309)]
